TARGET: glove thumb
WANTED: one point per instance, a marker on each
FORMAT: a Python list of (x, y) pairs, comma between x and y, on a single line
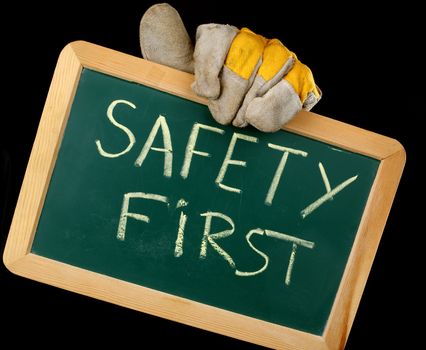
[(164, 39)]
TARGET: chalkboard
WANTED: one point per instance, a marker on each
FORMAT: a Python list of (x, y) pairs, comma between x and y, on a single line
[(145, 189)]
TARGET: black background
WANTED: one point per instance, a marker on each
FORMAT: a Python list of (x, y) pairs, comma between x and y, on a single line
[(368, 65)]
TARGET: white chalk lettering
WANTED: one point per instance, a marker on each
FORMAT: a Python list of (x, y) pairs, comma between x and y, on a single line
[(257, 231), (210, 238), (290, 265), (180, 235), (278, 235), (190, 147), (324, 178), (167, 149), (320, 201), (288, 238), (181, 203), (129, 134), (277, 177), (229, 161), (296, 242), (121, 232)]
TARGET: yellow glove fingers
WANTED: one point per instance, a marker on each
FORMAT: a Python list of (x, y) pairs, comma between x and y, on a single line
[(261, 82), (274, 57), (245, 52), (301, 79), (277, 60), (242, 63)]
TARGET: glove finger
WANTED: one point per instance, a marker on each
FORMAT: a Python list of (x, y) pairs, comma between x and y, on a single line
[(281, 103), (302, 81), (277, 61), (164, 39), (240, 119), (242, 63), (212, 45), (271, 111)]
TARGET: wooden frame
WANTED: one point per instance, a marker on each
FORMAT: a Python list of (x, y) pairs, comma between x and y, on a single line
[(18, 258)]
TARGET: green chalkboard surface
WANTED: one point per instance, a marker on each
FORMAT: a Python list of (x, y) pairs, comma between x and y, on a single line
[(149, 189)]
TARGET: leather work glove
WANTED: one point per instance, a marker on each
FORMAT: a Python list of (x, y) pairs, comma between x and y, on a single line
[(282, 87), (247, 78), (252, 80)]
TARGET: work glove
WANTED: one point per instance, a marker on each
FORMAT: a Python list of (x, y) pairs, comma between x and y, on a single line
[(282, 87), (246, 78)]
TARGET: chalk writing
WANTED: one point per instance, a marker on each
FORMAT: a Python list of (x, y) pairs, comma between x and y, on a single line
[(209, 238), (129, 134), (179, 239), (320, 201), (126, 214), (282, 236), (167, 150), (275, 181), (190, 148), (212, 237), (228, 161)]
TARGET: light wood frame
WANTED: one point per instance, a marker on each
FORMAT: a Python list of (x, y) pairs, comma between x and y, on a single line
[(19, 259)]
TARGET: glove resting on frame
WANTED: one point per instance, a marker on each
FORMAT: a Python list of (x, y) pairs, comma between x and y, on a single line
[(247, 78)]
